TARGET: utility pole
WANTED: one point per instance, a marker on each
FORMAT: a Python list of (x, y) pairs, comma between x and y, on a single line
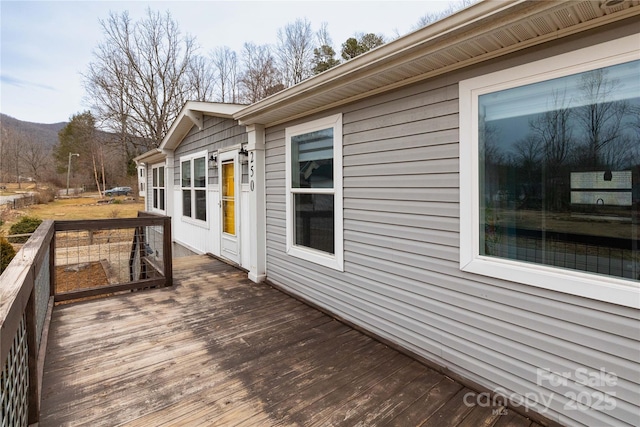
[(69, 169)]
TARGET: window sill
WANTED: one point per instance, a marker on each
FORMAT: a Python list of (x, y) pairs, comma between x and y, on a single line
[(587, 285), (317, 257), (196, 222)]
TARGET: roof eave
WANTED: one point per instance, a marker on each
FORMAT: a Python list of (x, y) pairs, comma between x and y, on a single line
[(152, 156), (349, 82), (438, 29)]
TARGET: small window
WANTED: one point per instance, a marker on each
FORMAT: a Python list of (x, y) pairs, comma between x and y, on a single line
[(193, 181), (552, 186), (158, 187), (314, 191)]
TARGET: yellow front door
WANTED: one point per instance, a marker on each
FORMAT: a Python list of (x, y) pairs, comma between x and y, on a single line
[(228, 199)]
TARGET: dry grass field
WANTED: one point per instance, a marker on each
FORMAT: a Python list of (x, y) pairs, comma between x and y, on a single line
[(9, 189), (86, 207)]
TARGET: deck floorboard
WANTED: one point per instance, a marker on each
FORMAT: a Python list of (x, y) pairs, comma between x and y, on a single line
[(216, 349)]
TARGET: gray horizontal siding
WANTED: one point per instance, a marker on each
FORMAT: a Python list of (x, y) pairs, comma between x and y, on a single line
[(402, 278), (217, 133)]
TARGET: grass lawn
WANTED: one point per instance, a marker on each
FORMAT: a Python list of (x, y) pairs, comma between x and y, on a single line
[(12, 188), (76, 208)]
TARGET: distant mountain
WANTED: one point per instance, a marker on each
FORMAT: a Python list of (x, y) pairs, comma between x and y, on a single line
[(45, 133)]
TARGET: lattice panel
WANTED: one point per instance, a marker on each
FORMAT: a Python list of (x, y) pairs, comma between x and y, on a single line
[(42, 291), (14, 382)]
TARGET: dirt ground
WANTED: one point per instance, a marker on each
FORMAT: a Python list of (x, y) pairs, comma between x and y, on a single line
[(80, 276)]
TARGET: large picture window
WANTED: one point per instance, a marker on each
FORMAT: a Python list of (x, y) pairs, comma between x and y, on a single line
[(158, 187), (193, 185), (314, 191), (554, 180)]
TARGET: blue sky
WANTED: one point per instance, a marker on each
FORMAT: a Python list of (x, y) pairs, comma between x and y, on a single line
[(46, 45)]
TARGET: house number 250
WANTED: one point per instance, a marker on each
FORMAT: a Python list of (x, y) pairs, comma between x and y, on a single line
[(252, 184)]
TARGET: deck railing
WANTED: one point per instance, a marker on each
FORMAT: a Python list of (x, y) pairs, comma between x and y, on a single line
[(69, 260)]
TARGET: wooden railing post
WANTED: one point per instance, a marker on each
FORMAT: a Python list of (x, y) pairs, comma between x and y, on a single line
[(52, 263), (32, 346), (167, 251)]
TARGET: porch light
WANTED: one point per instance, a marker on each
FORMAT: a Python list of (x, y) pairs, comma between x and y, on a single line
[(243, 151), (213, 161)]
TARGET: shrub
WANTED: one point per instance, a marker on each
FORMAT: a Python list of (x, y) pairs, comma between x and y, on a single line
[(26, 224), (45, 195), (6, 253)]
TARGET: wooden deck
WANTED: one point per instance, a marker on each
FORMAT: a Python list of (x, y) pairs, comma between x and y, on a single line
[(218, 350)]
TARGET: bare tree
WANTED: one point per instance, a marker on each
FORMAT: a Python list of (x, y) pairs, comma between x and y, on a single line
[(260, 76), (554, 130), (107, 85), (35, 157), (324, 56), (225, 63), (139, 79), (601, 117), (322, 35), (201, 79), (12, 143), (528, 158), (431, 17), (295, 51)]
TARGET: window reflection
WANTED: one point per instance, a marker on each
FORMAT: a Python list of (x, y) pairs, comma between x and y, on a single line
[(560, 172)]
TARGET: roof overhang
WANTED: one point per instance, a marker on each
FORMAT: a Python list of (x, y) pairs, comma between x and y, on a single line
[(483, 31), (192, 114), (152, 156)]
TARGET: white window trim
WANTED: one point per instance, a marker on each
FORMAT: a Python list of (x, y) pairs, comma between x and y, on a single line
[(153, 168), (335, 261), (583, 284), (192, 219)]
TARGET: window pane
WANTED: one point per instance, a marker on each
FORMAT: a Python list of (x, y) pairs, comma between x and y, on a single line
[(186, 174), (155, 177), (161, 176), (229, 216), (228, 180), (186, 202), (201, 205), (560, 172), (314, 224), (228, 198), (312, 159), (199, 172), (155, 198), (162, 198)]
